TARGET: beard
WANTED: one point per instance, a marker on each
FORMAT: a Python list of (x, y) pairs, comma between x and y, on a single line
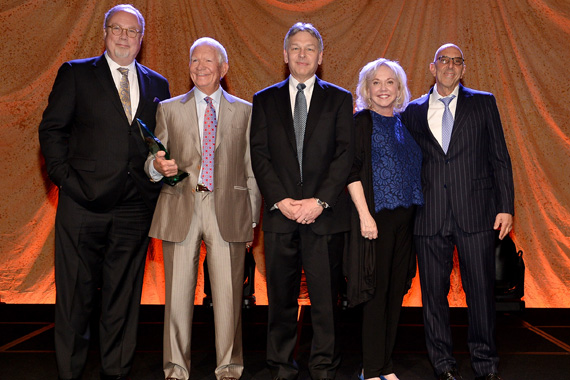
[(121, 52)]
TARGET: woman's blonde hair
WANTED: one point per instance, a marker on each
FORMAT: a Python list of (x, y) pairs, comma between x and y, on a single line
[(367, 74)]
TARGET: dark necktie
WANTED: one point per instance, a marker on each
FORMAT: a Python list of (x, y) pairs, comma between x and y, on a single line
[(300, 122), (208, 144), (446, 123), (125, 92)]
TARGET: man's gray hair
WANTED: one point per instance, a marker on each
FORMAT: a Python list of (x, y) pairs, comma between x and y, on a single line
[(303, 27), (222, 54), (124, 8)]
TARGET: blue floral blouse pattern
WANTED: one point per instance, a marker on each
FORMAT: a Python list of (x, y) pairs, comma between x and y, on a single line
[(396, 164)]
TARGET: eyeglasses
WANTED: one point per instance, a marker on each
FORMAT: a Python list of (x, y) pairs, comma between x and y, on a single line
[(457, 61), (117, 31)]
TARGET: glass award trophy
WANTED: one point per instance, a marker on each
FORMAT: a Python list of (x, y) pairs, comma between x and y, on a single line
[(154, 145)]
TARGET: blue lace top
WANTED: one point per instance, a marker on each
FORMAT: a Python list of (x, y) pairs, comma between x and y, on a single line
[(396, 164)]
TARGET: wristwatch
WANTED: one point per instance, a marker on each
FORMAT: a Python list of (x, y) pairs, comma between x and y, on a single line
[(321, 203)]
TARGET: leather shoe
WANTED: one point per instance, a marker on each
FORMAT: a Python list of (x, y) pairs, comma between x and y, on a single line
[(491, 376), (452, 374)]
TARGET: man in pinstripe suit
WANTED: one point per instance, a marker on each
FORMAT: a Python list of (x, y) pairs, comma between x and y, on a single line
[(468, 188)]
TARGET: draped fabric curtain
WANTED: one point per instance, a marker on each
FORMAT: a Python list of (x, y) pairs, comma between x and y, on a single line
[(516, 49)]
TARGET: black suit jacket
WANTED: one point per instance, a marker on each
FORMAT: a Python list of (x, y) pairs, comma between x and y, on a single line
[(475, 177), (89, 147), (327, 154)]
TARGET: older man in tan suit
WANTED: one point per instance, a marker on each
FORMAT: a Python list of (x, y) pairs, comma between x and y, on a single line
[(204, 130)]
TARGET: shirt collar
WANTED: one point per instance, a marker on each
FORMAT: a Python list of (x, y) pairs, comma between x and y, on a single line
[(216, 96), (114, 65), (436, 96), (309, 82)]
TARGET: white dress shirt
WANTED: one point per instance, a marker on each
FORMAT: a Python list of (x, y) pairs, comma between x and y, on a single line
[(308, 91), (435, 111), (200, 111), (133, 81)]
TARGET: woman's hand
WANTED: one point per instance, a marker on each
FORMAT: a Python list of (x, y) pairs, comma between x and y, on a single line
[(368, 227)]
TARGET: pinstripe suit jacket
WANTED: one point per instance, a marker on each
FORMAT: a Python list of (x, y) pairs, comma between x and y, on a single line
[(236, 195), (475, 177)]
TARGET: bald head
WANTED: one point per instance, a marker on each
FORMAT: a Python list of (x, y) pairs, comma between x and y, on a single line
[(445, 46)]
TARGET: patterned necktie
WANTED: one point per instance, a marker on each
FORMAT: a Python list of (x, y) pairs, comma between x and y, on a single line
[(208, 144), (300, 122), (446, 123), (125, 92)]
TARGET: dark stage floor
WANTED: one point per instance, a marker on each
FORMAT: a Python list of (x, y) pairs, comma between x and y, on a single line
[(533, 344)]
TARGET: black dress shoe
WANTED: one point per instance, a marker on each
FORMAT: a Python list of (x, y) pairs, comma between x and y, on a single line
[(491, 376), (452, 374)]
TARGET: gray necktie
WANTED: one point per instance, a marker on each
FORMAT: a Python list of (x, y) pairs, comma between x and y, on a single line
[(299, 122), (446, 123)]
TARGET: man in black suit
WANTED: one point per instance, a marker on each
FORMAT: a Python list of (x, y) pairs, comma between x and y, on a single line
[(468, 188), (95, 154), (302, 151)]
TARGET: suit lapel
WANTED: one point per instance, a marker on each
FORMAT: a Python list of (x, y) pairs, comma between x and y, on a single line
[(461, 112), (144, 83), (283, 106), (103, 74), (423, 117), (317, 100), (225, 115), (191, 115)]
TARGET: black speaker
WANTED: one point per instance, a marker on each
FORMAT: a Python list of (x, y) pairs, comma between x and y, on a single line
[(509, 278)]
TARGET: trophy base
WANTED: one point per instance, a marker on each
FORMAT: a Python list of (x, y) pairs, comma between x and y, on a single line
[(175, 179)]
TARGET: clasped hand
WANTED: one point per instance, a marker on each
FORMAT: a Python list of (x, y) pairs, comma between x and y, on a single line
[(304, 211), (167, 168)]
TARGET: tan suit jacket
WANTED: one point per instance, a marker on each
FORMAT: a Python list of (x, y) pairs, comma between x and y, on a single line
[(236, 195)]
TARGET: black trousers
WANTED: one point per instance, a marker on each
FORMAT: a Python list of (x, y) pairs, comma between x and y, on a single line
[(320, 256), (381, 314), (95, 252), (476, 253)]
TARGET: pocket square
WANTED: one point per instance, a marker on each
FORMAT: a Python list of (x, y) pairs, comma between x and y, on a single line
[(156, 100)]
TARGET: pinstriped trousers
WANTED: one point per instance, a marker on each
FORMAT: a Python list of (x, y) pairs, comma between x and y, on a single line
[(225, 265), (476, 253)]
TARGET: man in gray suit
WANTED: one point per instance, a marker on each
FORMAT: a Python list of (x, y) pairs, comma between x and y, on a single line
[(204, 130), (468, 188)]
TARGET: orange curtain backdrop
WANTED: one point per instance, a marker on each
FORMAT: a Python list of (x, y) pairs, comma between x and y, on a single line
[(519, 50)]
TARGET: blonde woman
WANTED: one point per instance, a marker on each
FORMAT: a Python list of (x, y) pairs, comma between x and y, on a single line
[(385, 188)]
